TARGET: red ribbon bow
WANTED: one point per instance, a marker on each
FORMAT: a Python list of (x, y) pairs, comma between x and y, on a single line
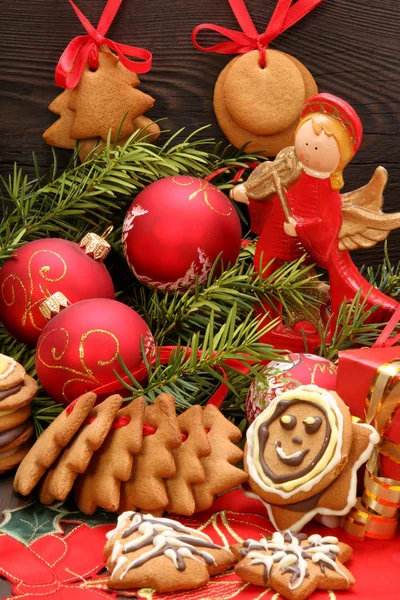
[(284, 16), (85, 49)]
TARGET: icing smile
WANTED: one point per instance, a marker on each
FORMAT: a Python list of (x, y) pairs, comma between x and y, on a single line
[(292, 460)]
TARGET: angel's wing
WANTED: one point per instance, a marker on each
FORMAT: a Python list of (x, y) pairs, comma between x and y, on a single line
[(364, 223)]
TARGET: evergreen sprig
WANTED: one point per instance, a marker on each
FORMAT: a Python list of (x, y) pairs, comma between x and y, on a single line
[(90, 195), (178, 315), (191, 376)]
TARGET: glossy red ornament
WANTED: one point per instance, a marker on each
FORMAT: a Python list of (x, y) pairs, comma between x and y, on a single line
[(78, 349), (39, 269), (175, 230), (302, 369)]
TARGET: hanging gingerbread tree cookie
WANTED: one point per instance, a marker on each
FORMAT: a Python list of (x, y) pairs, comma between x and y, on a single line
[(101, 96), (258, 96)]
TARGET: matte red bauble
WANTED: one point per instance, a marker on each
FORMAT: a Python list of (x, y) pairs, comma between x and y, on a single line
[(301, 369), (175, 230), (78, 349), (39, 269)]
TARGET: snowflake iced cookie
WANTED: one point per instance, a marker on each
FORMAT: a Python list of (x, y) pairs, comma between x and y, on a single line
[(302, 456), (144, 551), (295, 565)]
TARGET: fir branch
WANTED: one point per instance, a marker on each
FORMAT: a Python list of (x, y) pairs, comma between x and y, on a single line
[(386, 277), (90, 195), (351, 328), (186, 373), (177, 315)]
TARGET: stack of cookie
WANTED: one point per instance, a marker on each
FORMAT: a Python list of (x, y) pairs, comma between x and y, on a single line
[(261, 107), (105, 102), (137, 457), (17, 390)]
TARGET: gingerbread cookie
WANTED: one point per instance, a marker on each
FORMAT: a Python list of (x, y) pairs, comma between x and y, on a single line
[(302, 456), (294, 565), (50, 443), (264, 123), (14, 445), (146, 552), (75, 458), (17, 391), (155, 462), (220, 473), (100, 485), (188, 460), (59, 133)]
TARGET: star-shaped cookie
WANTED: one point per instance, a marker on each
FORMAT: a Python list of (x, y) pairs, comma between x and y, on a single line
[(294, 565)]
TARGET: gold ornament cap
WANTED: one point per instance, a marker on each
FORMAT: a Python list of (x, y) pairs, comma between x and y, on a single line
[(53, 304), (96, 245)]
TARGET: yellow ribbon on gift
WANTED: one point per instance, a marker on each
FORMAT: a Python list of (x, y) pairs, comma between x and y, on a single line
[(376, 513)]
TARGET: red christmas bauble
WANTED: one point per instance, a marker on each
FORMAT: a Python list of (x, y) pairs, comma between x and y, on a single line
[(175, 230), (78, 349), (39, 269), (302, 369)]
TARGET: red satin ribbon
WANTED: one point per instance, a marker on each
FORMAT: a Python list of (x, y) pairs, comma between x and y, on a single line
[(284, 16), (384, 340), (238, 175), (164, 354), (85, 49)]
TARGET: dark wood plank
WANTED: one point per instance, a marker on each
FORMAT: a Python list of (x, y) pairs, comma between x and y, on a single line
[(351, 47)]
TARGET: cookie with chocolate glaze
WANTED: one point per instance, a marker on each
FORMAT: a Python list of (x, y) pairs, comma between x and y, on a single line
[(302, 456), (17, 389), (163, 554), (294, 565), (14, 445)]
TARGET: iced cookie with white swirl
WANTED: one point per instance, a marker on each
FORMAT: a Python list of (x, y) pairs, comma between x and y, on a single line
[(302, 455), (148, 552), (294, 565)]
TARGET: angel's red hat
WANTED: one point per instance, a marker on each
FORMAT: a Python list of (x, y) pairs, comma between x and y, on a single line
[(341, 110)]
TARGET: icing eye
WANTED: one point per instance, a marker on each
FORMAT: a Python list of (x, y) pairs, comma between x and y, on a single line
[(288, 422), (316, 148), (306, 143), (312, 424)]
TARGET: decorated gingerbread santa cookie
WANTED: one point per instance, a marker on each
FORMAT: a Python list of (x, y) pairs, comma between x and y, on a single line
[(302, 456)]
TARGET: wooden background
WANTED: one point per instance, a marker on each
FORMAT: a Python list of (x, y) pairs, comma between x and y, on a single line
[(351, 46)]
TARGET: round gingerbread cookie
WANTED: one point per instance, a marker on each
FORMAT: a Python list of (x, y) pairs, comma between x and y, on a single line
[(19, 395), (14, 445), (11, 373), (13, 418), (269, 145), (298, 446), (264, 100)]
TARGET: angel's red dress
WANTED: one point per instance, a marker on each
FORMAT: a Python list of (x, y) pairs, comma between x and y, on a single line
[(317, 209)]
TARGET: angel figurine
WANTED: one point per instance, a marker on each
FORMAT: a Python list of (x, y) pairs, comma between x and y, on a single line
[(296, 206)]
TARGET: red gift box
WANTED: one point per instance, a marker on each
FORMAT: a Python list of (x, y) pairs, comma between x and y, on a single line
[(368, 381)]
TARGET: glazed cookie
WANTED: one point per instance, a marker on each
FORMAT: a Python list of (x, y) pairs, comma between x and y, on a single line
[(13, 445), (17, 389), (294, 565), (146, 552), (50, 443), (302, 456), (75, 458)]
